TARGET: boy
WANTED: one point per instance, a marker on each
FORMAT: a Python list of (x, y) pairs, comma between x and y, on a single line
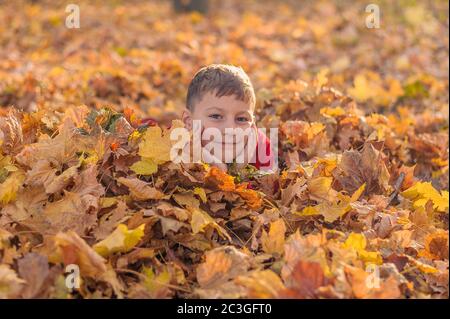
[(221, 98)]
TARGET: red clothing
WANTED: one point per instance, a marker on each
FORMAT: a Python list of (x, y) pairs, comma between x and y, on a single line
[(265, 158)]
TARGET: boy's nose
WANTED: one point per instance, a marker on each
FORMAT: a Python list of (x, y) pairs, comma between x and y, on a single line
[(229, 124)]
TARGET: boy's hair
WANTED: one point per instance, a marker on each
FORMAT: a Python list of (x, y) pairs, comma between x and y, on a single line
[(223, 80)]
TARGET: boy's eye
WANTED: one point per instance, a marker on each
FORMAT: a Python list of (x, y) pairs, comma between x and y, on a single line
[(215, 116), (242, 119)]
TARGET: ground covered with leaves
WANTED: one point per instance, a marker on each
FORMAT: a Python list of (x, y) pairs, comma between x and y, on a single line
[(359, 208)]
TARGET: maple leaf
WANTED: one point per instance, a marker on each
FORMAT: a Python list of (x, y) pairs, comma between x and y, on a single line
[(422, 192), (367, 166), (120, 240), (108, 222), (307, 278), (200, 220), (320, 188), (144, 167), (28, 201), (58, 150), (140, 190), (436, 246), (71, 249), (220, 265), (69, 213), (333, 211), (273, 242), (154, 149), (361, 287), (358, 243)]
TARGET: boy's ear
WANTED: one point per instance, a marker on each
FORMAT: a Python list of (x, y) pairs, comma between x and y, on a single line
[(187, 119)]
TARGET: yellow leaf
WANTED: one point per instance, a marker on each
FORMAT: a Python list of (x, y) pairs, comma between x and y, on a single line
[(441, 202), (201, 193), (144, 167), (120, 240), (355, 241), (358, 243), (320, 187), (334, 210), (422, 192), (314, 129), (357, 194), (187, 200), (273, 242), (370, 257), (423, 267), (154, 146), (332, 111), (10, 187), (106, 202), (309, 211), (200, 220), (156, 283), (362, 91), (322, 78), (325, 166), (88, 158)]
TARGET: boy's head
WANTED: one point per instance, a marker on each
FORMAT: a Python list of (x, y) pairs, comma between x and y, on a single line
[(220, 96)]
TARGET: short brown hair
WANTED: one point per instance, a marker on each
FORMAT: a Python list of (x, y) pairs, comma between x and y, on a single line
[(224, 80)]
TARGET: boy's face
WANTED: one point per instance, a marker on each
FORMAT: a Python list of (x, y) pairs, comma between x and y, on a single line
[(221, 113)]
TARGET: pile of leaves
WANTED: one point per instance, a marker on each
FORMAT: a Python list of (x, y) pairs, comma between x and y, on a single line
[(358, 209)]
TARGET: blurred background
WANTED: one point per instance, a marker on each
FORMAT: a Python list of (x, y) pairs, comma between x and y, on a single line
[(142, 54)]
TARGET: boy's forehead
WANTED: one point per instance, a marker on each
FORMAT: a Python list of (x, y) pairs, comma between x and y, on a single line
[(211, 100)]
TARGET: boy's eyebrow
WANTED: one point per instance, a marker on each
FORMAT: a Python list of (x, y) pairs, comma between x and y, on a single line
[(245, 112), (213, 108)]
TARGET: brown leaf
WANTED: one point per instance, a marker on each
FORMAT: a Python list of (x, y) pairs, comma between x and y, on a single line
[(140, 190), (71, 249), (221, 264), (34, 269), (307, 278)]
